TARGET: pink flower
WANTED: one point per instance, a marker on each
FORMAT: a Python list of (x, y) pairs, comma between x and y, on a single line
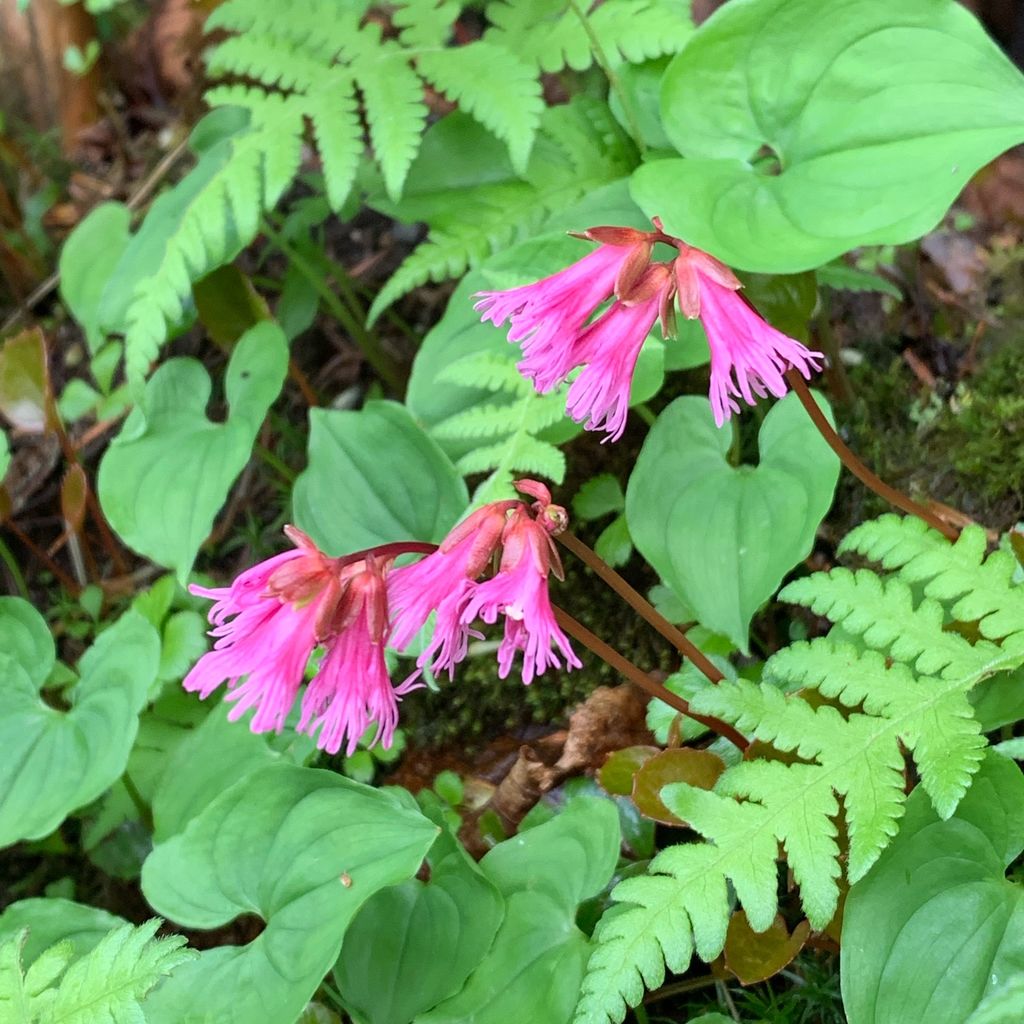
[(441, 582), (608, 350), (269, 621), (266, 624), (519, 591), (546, 314), (352, 689), (748, 355)]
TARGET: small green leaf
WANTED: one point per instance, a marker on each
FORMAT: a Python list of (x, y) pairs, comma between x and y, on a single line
[(864, 134), (302, 848), (723, 537), (375, 477), (598, 496), (940, 886), (614, 543), (167, 474), (54, 761)]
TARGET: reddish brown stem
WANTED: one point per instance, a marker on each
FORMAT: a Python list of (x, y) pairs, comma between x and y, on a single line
[(856, 467), (636, 675), (641, 605), (69, 584), (385, 551)]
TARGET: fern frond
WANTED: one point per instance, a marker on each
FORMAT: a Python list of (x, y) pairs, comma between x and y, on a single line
[(488, 371), (579, 148), (910, 693), (107, 984), (979, 589), (495, 87), (551, 36), (883, 614)]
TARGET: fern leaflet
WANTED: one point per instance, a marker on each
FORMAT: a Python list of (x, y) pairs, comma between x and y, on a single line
[(902, 685), (108, 983), (552, 37)]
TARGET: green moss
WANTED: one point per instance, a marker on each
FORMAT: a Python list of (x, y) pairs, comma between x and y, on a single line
[(962, 445)]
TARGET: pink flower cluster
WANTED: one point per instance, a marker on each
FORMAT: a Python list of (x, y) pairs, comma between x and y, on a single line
[(551, 321), (274, 615)]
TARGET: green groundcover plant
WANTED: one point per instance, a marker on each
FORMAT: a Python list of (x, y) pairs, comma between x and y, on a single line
[(678, 205)]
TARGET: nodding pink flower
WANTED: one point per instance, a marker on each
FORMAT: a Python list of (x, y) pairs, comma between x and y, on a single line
[(352, 689), (546, 314), (269, 621), (266, 625), (442, 582), (519, 591), (608, 350), (748, 355)]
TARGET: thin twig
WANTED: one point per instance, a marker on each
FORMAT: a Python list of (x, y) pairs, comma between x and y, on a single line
[(641, 605), (636, 675), (856, 467)]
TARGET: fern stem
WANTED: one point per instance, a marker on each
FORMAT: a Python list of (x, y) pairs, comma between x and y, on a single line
[(639, 677), (614, 82), (676, 637), (857, 468), (383, 364)]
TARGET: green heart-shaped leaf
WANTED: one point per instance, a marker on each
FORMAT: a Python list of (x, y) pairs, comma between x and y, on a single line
[(52, 920), (54, 762), (167, 474), (375, 477), (304, 849), (721, 536), (940, 886), (863, 133), (413, 945)]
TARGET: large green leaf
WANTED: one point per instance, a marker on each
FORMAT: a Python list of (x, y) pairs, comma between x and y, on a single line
[(304, 849), (536, 965), (413, 945), (215, 750), (721, 536), (167, 474), (935, 926), (877, 116), (539, 955), (52, 920), (375, 477), (87, 263), (53, 762)]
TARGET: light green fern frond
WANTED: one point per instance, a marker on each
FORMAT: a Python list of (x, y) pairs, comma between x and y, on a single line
[(977, 589), (906, 689), (504, 434), (551, 36), (107, 984), (580, 147)]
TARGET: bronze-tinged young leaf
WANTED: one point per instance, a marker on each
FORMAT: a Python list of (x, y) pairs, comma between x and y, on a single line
[(618, 771), (756, 956), (698, 768)]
